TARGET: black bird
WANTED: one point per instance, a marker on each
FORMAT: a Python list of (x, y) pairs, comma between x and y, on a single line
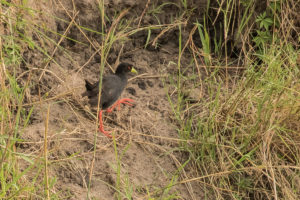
[(112, 87)]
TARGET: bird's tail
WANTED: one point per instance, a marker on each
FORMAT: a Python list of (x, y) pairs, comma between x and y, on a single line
[(88, 87)]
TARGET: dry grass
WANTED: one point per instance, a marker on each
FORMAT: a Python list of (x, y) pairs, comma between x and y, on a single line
[(241, 137), (248, 126)]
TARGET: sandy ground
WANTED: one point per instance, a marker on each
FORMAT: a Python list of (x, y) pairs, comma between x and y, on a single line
[(146, 134)]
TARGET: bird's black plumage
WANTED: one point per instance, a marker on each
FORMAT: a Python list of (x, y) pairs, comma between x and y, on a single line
[(112, 87)]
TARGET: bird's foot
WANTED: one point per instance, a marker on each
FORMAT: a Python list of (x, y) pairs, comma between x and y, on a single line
[(106, 133), (101, 129), (119, 102)]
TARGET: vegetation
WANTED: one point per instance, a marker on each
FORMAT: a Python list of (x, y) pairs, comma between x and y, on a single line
[(241, 134)]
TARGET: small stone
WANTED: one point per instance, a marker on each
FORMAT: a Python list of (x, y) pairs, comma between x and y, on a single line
[(131, 91), (149, 83), (142, 85)]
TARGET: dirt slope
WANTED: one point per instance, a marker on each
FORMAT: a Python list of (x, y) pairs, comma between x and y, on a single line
[(146, 134)]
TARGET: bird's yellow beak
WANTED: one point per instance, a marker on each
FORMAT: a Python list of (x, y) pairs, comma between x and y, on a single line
[(134, 71)]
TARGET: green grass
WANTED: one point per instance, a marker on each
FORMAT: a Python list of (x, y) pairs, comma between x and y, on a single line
[(245, 134), (249, 132)]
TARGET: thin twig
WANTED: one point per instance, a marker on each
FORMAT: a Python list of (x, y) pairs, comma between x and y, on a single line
[(61, 39), (46, 152), (89, 60), (145, 75), (49, 99), (143, 13)]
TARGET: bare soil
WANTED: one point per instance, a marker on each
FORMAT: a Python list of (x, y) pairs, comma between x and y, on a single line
[(146, 134)]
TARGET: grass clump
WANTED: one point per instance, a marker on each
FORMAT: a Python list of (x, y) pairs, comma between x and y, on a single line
[(243, 134), (21, 173), (250, 133)]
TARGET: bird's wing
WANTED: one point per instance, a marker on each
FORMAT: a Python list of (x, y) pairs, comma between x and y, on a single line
[(111, 86), (111, 89)]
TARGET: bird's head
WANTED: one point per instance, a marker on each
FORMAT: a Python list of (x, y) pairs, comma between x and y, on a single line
[(124, 68)]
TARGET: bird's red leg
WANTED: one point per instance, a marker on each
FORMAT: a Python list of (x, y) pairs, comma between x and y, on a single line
[(119, 102), (101, 129)]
